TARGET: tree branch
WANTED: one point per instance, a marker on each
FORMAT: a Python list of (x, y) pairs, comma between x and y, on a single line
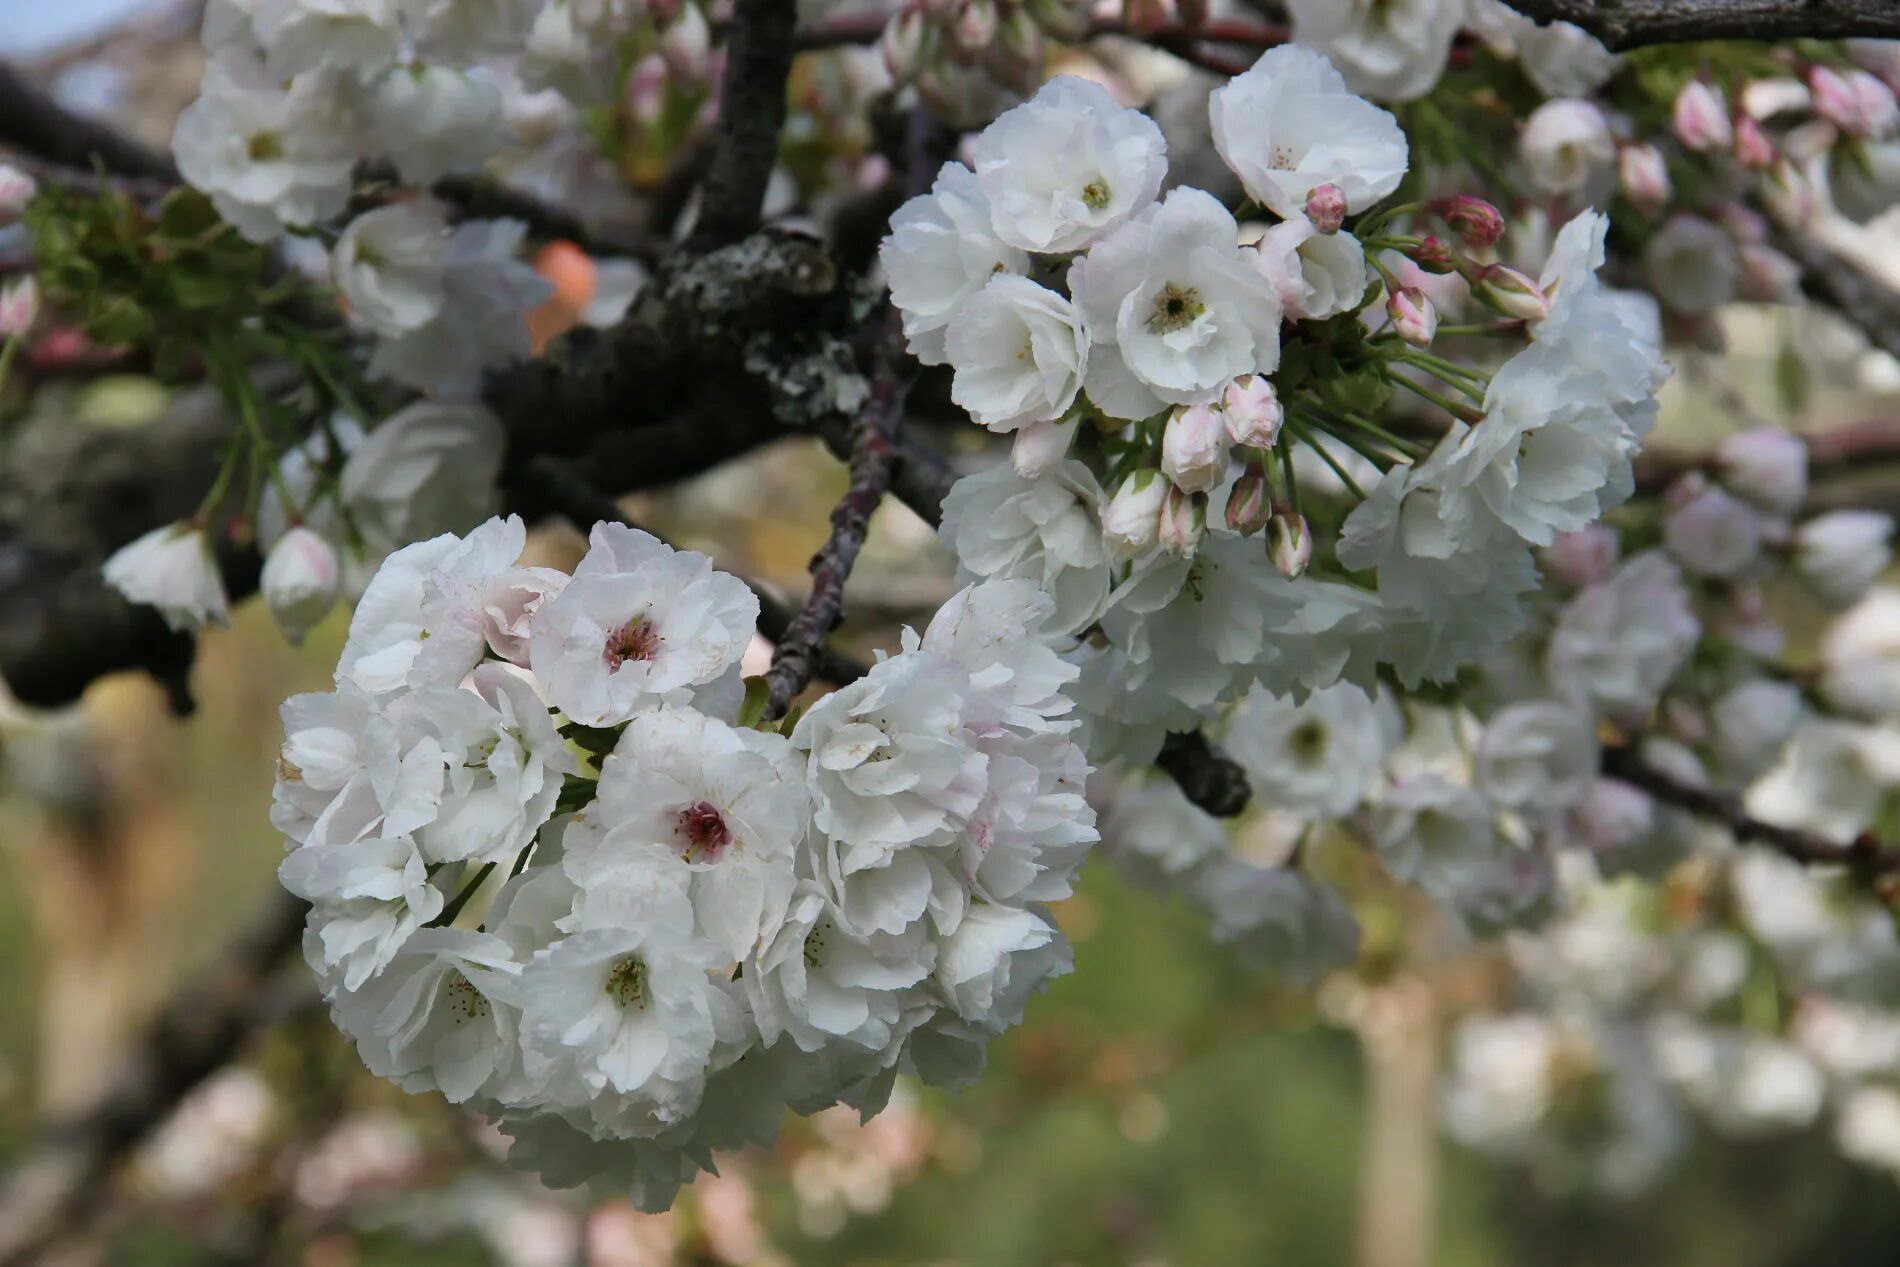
[(872, 460), (201, 1028), (31, 120), (1838, 283), (1625, 24), (1867, 857), (751, 112)]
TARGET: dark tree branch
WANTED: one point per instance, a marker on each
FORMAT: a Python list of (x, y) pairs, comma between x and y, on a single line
[(31, 120), (1624, 24), (201, 1028), (1209, 777), (751, 111), (872, 458), (1838, 283), (1866, 856)]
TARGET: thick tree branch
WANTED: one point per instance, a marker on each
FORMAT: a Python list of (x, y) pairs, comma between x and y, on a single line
[(1839, 283), (751, 111), (32, 121), (1866, 857), (872, 459), (199, 1029), (1625, 24)]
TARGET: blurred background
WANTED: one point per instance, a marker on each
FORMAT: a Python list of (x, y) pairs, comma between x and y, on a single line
[(1166, 1104)]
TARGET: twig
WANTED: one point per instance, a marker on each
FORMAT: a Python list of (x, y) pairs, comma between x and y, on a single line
[(1865, 856), (1839, 283), (872, 460), (1623, 24), (751, 113), (200, 1029), (1844, 450), (32, 121)]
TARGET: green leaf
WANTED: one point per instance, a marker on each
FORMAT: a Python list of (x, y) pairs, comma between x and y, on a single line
[(599, 740), (577, 793), (758, 693)]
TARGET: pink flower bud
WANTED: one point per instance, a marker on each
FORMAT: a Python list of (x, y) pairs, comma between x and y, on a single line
[(1326, 208), (1131, 522), (299, 581), (1766, 465), (16, 190), (1194, 449), (903, 44), (19, 305), (1768, 276), (976, 25), (1039, 446), (1508, 291), (1645, 178), (1251, 409), (686, 44), (1413, 316), (1247, 506), (1585, 556), (1433, 256), (1289, 542), (1753, 150), (1878, 113), (1183, 521), (1701, 120), (1473, 219), (1857, 103)]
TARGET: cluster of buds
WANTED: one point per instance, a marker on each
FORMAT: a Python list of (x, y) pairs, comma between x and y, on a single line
[(959, 52), (1199, 444)]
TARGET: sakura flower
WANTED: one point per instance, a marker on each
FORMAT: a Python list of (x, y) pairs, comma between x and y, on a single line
[(1537, 756), (1693, 265), (1390, 50), (440, 1016), (1045, 530), (368, 897), (1279, 918), (995, 960), (1019, 351), (1567, 149), (1288, 126), (729, 803), (1435, 834), (468, 30), (1175, 309), (388, 263), (431, 120), (430, 468), (1067, 165), (1752, 722), (1319, 757), (482, 324), (640, 625), (172, 569), (1766, 465), (1842, 553), (940, 253), (1714, 534), (815, 982), (1617, 643), (269, 156), (1860, 656), (1316, 275)]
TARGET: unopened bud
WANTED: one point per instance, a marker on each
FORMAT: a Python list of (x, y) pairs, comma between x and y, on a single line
[(1021, 39), (1508, 291), (1039, 446), (1289, 542), (1473, 219), (1183, 521), (687, 43), (1878, 112), (1252, 411), (1701, 119), (1194, 448), (19, 305), (1248, 507), (1644, 176), (975, 26), (299, 581), (1857, 103), (903, 43), (1753, 150), (1413, 316), (1326, 208), (16, 190), (1066, 20), (1434, 256), (1131, 522), (1768, 276)]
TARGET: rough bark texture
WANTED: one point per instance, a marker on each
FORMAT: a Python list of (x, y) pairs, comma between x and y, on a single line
[(1624, 24)]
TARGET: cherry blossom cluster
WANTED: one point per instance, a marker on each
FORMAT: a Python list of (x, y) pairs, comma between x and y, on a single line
[(554, 877), (1191, 356)]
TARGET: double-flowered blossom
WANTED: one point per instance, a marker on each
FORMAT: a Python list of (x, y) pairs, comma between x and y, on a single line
[(552, 876)]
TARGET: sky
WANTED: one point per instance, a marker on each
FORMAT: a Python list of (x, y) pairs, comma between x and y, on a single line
[(31, 27)]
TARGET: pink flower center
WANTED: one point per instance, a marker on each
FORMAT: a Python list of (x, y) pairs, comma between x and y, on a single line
[(701, 831), (635, 640)]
